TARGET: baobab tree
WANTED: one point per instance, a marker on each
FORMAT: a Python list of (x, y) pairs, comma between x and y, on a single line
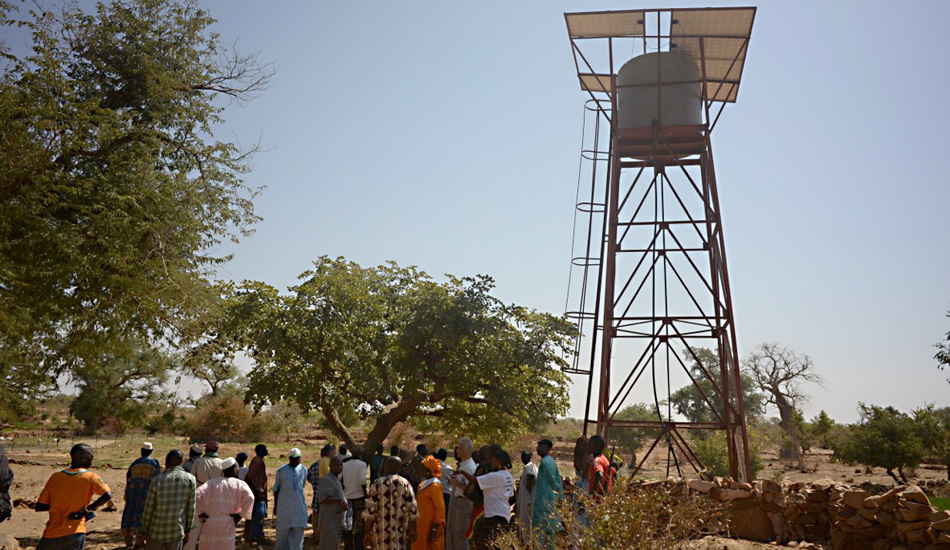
[(779, 373)]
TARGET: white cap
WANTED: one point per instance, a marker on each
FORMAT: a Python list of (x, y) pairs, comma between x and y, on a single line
[(197, 448), (227, 463), (295, 453), (147, 446)]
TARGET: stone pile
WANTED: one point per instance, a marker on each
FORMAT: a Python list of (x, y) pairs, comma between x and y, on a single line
[(825, 512), (900, 518)]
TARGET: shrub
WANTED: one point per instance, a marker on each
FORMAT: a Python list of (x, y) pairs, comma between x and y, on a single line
[(227, 418), (632, 516), (714, 454), (884, 438)]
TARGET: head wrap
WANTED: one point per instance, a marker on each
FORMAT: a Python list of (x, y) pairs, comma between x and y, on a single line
[(433, 464)]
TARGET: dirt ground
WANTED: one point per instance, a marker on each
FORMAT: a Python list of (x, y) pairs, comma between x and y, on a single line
[(32, 466)]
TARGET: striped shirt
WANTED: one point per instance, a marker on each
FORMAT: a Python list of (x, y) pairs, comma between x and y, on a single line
[(170, 506)]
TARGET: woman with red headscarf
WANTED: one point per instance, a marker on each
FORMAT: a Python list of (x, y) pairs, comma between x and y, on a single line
[(430, 528)]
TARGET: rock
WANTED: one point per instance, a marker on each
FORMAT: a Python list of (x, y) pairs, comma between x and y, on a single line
[(855, 499), (8, 543), (729, 494), (885, 518), (912, 526), (823, 484), (752, 524), (700, 485), (914, 494), (941, 525), (939, 515), (913, 511)]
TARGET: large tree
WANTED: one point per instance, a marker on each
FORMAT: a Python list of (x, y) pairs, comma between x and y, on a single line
[(114, 194), (779, 373), (120, 385), (392, 344), (689, 401)]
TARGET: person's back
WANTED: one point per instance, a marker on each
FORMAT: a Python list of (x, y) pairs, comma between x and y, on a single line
[(66, 492), (169, 512), (390, 511), (6, 480), (207, 468)]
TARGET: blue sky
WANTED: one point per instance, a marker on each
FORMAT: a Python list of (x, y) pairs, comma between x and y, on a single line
[(446, 135)]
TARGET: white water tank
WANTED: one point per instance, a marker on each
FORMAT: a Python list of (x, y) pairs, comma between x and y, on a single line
[(679, 104)]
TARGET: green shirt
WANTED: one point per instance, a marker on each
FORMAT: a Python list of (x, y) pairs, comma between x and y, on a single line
[(170, 506)]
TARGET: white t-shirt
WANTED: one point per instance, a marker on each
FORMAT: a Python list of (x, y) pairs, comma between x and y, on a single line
[(353, 477), (467, 465), (242, 471), (447, 474), (498, 488)]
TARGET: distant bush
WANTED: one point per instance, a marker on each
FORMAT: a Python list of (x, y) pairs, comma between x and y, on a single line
[(714, 454), (227, 418), (884, 438)]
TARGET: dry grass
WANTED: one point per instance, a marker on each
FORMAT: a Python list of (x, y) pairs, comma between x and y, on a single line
[(634, 516)]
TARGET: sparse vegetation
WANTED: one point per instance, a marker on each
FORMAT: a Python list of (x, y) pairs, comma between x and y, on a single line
[(632, 516)]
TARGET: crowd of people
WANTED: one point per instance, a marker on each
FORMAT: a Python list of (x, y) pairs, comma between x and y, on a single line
[(366, 500)]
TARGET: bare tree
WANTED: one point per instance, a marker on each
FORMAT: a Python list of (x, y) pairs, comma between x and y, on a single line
[(780, 372)]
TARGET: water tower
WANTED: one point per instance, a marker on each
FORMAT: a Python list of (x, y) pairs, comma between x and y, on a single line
[(649, 283)]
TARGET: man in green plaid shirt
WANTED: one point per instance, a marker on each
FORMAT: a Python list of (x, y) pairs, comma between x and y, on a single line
[(169, 513)]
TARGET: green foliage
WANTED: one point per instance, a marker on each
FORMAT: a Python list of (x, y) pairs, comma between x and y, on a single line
[(632, 439), (713, 452), (114, 193), (689, 401), (933, 428), (120, 386), (940, 503), (818, 432), (884, 438), (391, 343), (225, 417)]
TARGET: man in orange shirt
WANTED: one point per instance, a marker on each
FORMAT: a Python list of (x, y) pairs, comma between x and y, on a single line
[(66, 498)]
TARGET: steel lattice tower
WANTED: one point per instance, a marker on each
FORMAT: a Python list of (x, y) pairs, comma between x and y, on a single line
[(654, 284)]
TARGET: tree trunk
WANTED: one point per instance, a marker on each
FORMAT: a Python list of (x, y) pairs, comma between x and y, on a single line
[(790, 449), (891, 473), (336, 424), (384, 423), (388, 420)]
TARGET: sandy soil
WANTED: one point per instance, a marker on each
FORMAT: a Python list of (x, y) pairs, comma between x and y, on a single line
[(33, 466)]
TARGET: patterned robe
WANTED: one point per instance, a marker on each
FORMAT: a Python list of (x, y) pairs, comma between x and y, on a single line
[(390, 505), (137, 480)]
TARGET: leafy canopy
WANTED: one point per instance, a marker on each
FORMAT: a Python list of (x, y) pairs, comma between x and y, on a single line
[(689, 401), (392, 343), (888, 438), (113, 191)]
